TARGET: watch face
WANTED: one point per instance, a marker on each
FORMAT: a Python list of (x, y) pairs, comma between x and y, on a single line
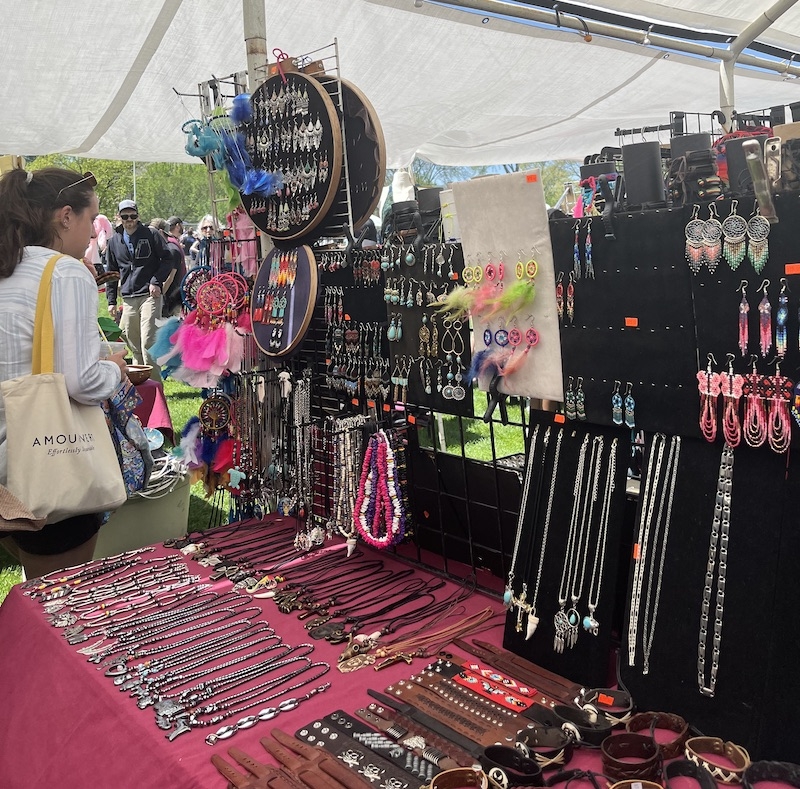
[(215, 413)]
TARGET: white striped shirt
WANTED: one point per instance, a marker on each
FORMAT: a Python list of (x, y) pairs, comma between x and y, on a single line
[(77, 340)]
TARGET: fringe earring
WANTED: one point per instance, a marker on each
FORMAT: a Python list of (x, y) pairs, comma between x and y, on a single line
[(569, 401), (571, 299), (765, 321), (587, 246), (708, 386), (630, 405), (734, 229), (580, 401), (758, 241), (781, 317), (576, 253), (560, 295), (712, 239), (694, 241), (778, 390), (744, 309), (731, 387), (755, 412)]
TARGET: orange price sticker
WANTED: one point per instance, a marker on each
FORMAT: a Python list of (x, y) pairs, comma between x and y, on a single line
[(370, 404), (531, 178), (559, 419), (631, 323), (354, 401), (605, 699), (426, 514), (347, 317), (327, 361), (791, 268), (636, 551), (387, 407), (412, 420)]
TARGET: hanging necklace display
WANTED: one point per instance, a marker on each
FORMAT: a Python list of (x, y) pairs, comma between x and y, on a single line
[(288, 281), (765, 321), (730, 385), (757, 241), (694, 241), (712, 239), (781, 317), (778, 391), (709, 387), (289, 136), (716, 570), (755, 412), (590, 624), (734, 229), (744, 309)]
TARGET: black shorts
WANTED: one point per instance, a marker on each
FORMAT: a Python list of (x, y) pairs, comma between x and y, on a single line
[(59, 537)]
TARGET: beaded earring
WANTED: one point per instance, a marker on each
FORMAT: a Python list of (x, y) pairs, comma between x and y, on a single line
[(560, 295), (744, 309), (778, 391), (424, 338), (731, 388), (630, 405), (712, 239), (569, 401), (570, 299), (765, 321), (580, 401), (399, 333), (781, 317), (587, 247), (708, 386), (434, 337), (734, 229), (616, 404), (758, 243), (694, 241), (576, 253), (755, 415)]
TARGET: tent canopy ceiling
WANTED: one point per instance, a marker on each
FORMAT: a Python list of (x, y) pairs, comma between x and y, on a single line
[(452, 86)]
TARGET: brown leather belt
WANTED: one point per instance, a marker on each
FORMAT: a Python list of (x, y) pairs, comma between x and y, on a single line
[(647, 721), (641, 747)]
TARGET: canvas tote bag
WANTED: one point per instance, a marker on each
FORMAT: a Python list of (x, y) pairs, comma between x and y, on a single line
[(61, 460)]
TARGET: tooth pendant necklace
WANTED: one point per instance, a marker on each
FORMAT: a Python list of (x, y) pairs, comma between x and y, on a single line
[(567, 622)]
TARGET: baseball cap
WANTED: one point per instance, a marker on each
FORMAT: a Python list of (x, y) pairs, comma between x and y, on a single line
[(174, 220), (127, 204)]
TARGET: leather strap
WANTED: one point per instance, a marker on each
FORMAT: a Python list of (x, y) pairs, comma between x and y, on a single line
[(616, 705), (784, 772), (550, 746), (683, 768), (586, 726), (459, 778), (698, 749), (635, 783), (627, 746), (647, 721), (262, 776), (508, 767)]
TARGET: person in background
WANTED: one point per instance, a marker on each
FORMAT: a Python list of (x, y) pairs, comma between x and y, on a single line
[(144, 262), (202, 247), (187, 240), (96, 251), (172, 287), (42, 214)]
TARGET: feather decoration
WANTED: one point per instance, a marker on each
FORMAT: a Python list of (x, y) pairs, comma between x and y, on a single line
[(199, 379), (483, 297), (188, 446), (515, 361), (457, 303), (237, 160), (208, 450), (474, 368), (235, 349), (242, 110), (223, 459), (513, 299), (261, 182)]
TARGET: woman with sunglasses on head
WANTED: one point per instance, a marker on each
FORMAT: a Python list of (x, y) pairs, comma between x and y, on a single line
[(201, 248), (44, 213)]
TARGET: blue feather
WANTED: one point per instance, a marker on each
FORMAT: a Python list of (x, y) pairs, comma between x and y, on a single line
[(242, 110), (475, 367), (193, 420)]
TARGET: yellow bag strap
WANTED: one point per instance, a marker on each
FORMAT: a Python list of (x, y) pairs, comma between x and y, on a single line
[(43, 335)]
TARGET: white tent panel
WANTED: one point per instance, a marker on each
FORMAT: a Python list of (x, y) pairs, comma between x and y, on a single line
[(445, 85)]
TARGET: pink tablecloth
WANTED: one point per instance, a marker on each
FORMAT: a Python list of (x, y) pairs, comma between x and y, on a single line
[(154, 412), (65, 725)]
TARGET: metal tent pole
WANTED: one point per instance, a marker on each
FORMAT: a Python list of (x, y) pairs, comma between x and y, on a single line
[(255, 39)]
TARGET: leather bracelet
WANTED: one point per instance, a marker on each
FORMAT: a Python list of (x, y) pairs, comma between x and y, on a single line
[(647, 721), (587, 726), (635, 783), (616, 705), (784, 772), (458, 778), (551, 747), (508, 767), (631, 746), (683, 768), (697, 749)]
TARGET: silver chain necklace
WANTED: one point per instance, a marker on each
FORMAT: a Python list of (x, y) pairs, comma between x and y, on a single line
[(718, 544)]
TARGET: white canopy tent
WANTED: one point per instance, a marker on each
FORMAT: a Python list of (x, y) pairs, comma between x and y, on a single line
[(459, 88)]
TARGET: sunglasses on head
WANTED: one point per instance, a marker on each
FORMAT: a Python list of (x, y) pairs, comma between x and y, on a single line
[(128, 217), (87, 178)]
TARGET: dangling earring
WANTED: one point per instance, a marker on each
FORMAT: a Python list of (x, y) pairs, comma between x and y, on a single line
[(708, 385), (569, 401), (780, 320), (755, 416), (391, 332), (712, 239), (588, 251), (616, 405), (765, 321), (630, 405), (744, 309), (399, 334), (694, 241), (734, 229), (779, 394), (560, 295), (731, 386), (758, 244), (571, 299), (576, 253), (580, 401)]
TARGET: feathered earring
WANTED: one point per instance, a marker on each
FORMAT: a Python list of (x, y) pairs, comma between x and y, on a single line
[(560, 295)]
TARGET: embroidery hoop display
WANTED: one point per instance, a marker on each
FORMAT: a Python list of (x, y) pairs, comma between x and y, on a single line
[(295, 130)]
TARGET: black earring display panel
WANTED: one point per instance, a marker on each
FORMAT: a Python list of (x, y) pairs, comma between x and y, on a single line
[(437, 272), (295, 130), (634, 321), (366, 158), (283, 299), (753, 610), (587, 662), (717, 298)]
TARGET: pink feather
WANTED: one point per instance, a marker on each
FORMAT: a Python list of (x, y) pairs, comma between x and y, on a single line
[(481, 298), (515, 361)]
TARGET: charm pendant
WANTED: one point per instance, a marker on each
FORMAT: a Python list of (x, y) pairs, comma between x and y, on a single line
[(532, 624), (561, 624), (573, 619)]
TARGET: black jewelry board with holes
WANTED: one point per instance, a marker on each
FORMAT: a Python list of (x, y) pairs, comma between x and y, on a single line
[(587, 661), (758, 658), (643, 277)]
